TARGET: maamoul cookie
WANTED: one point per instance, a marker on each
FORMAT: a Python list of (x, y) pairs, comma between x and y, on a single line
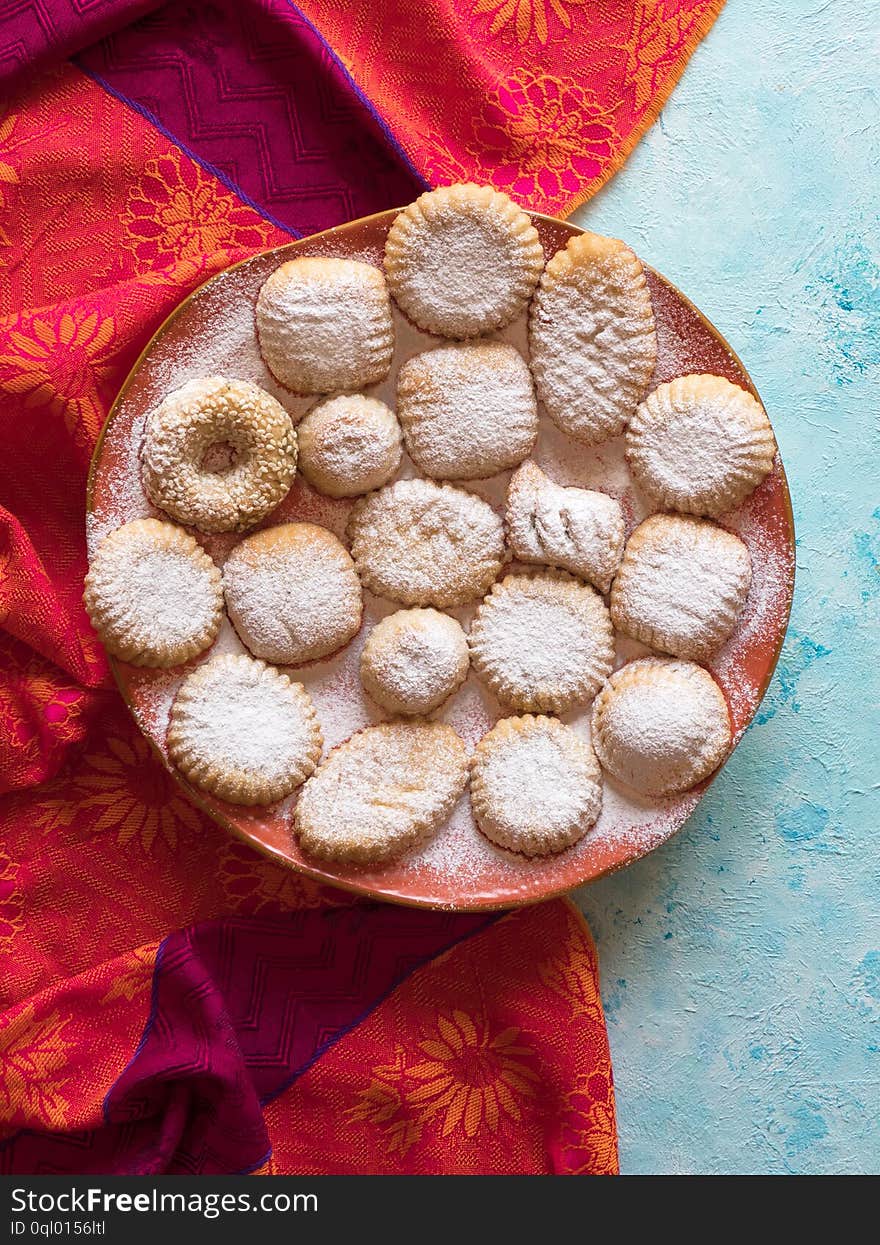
[(218, 454), (348, 445), (292, 593), (681, 585), (536, 786), (243, 731), (422, 543), (325, 324), (591, 330), (700, 444), (462, 260), (414, 660), (542, 641), (381, 792), (661, 726), (573, 528), (467, 411), (153, 594)]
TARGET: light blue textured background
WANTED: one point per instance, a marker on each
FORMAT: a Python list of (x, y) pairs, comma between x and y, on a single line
[(741, 962)]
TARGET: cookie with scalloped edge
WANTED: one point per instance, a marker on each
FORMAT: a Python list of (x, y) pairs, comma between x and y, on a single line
[(324, 324), (536, 786), (381, 792), (542, 641), (462, 260), (681, 586), (592, 337), (576, 529), (243, 731), (422, 543), (153, 594), (661, 726), (700, 444)]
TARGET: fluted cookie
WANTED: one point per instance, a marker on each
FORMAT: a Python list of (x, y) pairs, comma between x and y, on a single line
[(325, 324), (573, 528), (467, 411), (536, 786), (661, 726), (153, 594), (218, 454), (681, 585), (591, 331), (542, 641), (414, 660), (462, 260), (700, 444), (381, 792), (292, 593), (422, 543), (348, 445), (243, 731)]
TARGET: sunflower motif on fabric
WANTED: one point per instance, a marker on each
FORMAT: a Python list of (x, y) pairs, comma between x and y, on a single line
[(525, 18), (571, 974), (654, 44), (178, 214), (253, 883), (33, 1053), (11, 900), (124, 791), (543, 136), (61, 360), (465, 1080), (136, 979), (8, 173), (588, 1133)]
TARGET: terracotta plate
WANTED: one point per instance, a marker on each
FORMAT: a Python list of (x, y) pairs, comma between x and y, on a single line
[(213, 332)]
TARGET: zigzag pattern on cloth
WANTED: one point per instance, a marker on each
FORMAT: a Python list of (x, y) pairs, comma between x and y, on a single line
[(249, 88)]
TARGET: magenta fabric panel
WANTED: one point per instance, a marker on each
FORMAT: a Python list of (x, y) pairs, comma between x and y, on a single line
[(241, 1007), (249, 89), (37, 33)]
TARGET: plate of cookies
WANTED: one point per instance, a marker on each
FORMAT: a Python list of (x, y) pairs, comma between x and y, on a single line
[(445, 555)]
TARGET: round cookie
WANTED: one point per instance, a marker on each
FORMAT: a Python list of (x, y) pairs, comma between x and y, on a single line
[(348, 445), (414, 660), (381, 792), (218, 419), (536, 787), (243, 731), (422, 543), (292, 593), (661, 726), (681, 585), (467, 411), (462, 260), (153, 594), (575, 529), (542, 641), (325, 324), (592, 338), (700, 444)]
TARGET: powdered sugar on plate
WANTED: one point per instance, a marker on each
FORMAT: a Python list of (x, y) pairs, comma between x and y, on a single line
[(214, 335)]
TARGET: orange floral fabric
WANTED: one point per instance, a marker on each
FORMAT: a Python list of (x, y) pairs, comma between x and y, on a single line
[(486, 1059), (542, 98)]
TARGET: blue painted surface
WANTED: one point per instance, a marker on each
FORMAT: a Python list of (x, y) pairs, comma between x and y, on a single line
[(741, 962)]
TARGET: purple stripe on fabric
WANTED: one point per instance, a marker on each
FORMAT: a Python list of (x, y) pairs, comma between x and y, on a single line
[(187, 151), (362, 96), (241, 1007), (248, 88)]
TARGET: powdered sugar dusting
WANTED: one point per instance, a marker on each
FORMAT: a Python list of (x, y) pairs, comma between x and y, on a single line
[(214, 335)]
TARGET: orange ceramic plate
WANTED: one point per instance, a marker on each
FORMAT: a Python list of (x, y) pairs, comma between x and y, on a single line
[(212, 332)]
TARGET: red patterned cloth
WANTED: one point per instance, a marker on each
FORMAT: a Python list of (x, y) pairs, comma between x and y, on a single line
[(172, 1001)]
